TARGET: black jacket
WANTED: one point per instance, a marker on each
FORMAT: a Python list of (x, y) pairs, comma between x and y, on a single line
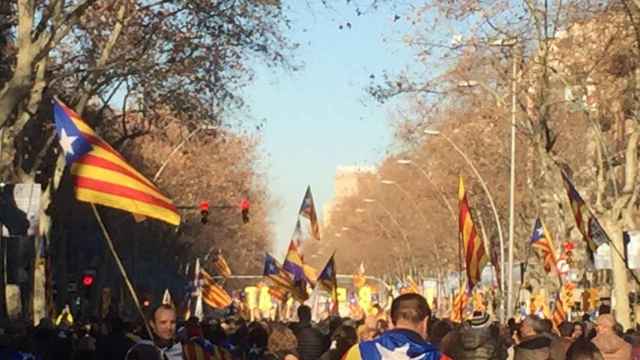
[(311, 343), (478, 343)]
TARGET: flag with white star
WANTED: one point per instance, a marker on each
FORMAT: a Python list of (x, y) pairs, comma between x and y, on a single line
[(102, 176), (308, 211), (328, 281), (541, 241)]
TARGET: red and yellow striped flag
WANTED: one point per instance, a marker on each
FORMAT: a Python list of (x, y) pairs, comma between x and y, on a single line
[(212, 293), (278, 293), (558, 315), (474, 255), (458, 304), (221, 266), (102, 176)]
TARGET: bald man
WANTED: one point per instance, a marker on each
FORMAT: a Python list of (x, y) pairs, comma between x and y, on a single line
[(612, 346)]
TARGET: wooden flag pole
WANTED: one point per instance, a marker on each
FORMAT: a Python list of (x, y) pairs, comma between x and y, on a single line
[(123, 272)]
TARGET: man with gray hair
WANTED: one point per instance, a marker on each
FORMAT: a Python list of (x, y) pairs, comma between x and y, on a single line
[(532, 342)]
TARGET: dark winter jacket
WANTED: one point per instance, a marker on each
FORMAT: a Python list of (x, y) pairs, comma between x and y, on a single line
[(311, 343), (477, 343), (559, 347), (533, 348)]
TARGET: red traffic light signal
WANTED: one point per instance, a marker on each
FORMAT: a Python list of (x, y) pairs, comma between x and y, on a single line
[(244, 207), (87, 280), (204, 211)]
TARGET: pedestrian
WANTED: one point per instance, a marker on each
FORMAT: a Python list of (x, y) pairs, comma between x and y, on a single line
[(341, 341), (282, 344), (479, 338), (612, 346), (406, 339), (561, 344), (583, 349), (533, 343), (116, 344), (163, 345), (311, 343)]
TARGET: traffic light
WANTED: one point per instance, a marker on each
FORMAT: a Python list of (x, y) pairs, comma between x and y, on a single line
[(244, 207), (204, 212), (87, 280)]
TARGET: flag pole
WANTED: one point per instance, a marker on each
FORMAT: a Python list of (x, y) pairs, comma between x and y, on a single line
[(123, 272)]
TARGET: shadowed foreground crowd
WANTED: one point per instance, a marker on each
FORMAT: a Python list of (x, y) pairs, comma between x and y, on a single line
[(408, 331)]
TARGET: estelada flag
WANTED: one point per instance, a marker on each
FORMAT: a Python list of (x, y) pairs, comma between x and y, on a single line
[(308, 210), (212, 293), (278, 293), (558, 315), (474, 255), (541, 240), (274, 272), (589, 226), (102, 176)]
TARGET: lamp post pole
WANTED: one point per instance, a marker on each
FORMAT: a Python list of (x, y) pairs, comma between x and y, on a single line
[(489, 196)]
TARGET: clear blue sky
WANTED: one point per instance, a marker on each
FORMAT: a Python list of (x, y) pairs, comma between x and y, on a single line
[(321, 116)]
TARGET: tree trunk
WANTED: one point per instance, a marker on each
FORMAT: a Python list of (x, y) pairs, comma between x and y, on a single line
[(620, 278)]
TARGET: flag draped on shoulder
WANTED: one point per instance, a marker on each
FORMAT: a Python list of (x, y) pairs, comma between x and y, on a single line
[(102, 176), (394, 344), (474, 253), (541, 240), (308, 211), (212, 293), (589, 226)]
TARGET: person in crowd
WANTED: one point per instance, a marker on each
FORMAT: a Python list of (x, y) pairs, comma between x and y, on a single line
[(86, 344), (583, 349), (282, 344), (437, 331), (479, 339), (369, 329), (578, 330), (257, 340), (163, 345), (341, 341), (311, 343), (406, 339), (116, 344), (533, 344), (561, 344), (612, 346)]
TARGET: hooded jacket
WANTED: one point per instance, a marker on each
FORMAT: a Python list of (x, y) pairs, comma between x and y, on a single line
[(612, 346), (533, 348), (396, 343), (480, 343)]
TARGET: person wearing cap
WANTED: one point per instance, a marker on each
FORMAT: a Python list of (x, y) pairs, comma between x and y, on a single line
[(479, 338), (612, 346)]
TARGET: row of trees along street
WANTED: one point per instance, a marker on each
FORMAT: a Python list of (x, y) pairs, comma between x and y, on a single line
[(145, 75), (576, 110)]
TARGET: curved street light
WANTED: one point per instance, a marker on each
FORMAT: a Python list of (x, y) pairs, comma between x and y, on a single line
[(488, 194)]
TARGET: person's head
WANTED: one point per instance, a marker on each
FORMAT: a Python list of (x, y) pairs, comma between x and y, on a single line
[(583, 349), (605, 324), (578, 330), (547, 326), (345, 337), (410, 311), (304, 314), (163, 321), (566, 329), (531, 326), (281, 339), (438, 330)]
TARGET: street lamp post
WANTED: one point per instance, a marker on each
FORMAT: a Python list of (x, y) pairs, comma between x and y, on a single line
[(426, 176), (396, 222), (487, 193)]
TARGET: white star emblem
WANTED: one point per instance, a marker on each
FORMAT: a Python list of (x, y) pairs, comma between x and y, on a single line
[(399, 353), (66, 142), (540, 231)]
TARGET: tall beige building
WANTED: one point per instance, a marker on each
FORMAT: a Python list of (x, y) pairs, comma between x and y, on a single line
[(346, 184)]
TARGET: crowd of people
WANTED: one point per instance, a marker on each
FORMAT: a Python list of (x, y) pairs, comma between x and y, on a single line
[(406, 331)]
